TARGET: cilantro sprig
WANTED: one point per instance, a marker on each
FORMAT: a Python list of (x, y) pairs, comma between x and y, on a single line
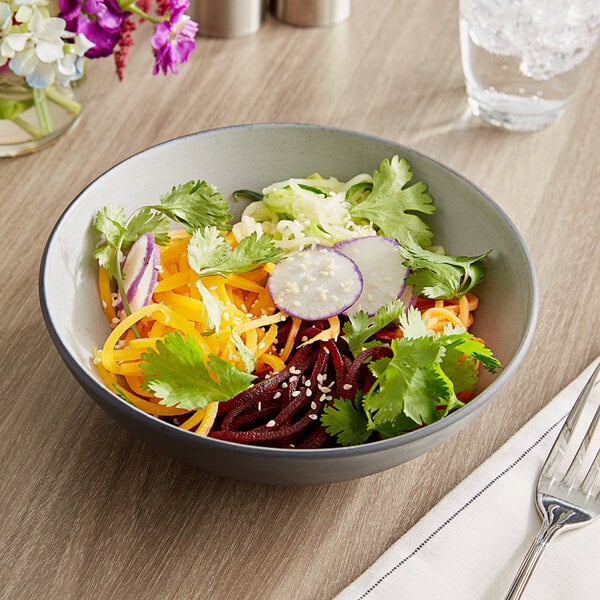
[(180, 375), (210, 254), (441, 276), (417, 385), (393, 205), (360, 326), (192, 205)]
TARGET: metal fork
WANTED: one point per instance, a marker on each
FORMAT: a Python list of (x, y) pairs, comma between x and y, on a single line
[(565, 498)]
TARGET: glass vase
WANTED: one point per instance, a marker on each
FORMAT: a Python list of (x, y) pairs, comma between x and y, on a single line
[(33, 118)]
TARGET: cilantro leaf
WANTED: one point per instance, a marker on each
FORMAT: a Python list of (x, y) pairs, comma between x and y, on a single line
[(177, 373), (111, 221), (440, 276), (210, 254), (145, 220), (412, 324), (345, 422), (196, 204), (392, 203), (466, 344), (360, 326), (409, 384)]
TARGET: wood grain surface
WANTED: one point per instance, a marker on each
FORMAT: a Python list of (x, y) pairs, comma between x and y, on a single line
[(88, 511)]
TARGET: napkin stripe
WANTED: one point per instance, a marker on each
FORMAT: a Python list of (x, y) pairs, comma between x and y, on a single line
[(488, 485)]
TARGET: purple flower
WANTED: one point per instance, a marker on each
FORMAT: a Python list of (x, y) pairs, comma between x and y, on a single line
[(99, 20), (174, 40)]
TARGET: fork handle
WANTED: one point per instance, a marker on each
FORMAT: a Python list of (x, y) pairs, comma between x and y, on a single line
[(539, 544)]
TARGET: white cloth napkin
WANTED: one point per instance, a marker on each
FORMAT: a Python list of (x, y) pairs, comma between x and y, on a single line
[(469, 546)]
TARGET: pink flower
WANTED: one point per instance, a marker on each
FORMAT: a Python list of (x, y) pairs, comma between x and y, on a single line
[(174, 39)]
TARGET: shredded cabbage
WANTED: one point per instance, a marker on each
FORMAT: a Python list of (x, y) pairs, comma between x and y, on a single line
[(303, 212)]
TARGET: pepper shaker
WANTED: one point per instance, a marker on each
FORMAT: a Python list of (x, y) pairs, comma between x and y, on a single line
[(311, 13), (228, 18)]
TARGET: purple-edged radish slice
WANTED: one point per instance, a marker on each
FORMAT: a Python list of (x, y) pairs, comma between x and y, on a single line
[(408, 298), (380, 263), (140, 271), (315, 283)]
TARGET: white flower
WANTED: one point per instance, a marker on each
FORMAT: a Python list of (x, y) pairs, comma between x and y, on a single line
[(5, 25), (42, 55), (5, 18)]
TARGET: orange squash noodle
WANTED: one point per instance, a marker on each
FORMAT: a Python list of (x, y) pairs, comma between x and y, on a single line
[(177, 306), (438, 314)]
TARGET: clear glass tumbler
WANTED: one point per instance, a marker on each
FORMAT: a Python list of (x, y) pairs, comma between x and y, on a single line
[(521, 57)]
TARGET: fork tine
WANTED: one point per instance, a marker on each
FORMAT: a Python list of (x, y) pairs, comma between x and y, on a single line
[(559, 449), (578, 460), (591, 476)]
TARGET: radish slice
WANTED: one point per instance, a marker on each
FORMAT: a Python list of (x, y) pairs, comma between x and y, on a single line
[(140, 271), (315, 283), (380, 263)]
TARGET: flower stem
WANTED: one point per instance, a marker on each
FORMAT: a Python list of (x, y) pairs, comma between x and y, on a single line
[(40, 101), (61, 100), (132, 8), (32, 131)]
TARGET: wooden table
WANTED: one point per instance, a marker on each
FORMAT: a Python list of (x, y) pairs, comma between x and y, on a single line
[(88, 511)]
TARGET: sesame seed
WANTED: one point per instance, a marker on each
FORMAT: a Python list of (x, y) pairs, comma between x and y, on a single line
[(259, 405), (347, 386), (104, 305), (276, 395), (295, 393), (313, 417), (284, 384), (313, 405), (307, 382), (270, 423), (115, 321), (308, 392)]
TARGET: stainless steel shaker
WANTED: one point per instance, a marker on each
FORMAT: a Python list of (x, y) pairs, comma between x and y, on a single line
[(228, 18), (311, 13)]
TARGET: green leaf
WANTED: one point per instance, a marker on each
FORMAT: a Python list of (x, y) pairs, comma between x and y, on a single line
[(107, 257), (210, 254), (401, 424), (251, 194), (360, 326), (392, 204), (9, 109), (247, 356), (465, 343), (412, 324), (440, 276), (345, 422), (176, 372), (409, 384), (145, 220), (196, 204), (110, 221), (212, 306)]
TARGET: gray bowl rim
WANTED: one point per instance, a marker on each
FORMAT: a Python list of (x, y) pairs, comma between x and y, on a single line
[(99, 392)]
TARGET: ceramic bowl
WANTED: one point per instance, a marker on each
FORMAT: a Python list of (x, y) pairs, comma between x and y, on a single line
[(466, 222)]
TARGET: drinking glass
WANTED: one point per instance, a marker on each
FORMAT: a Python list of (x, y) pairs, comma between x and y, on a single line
[(521, 58)]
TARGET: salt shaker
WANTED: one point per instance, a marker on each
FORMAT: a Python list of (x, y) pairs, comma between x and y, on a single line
[(311, 13), (228, 18)]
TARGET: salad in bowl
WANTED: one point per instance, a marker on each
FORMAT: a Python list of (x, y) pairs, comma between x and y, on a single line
[(323, 316)]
